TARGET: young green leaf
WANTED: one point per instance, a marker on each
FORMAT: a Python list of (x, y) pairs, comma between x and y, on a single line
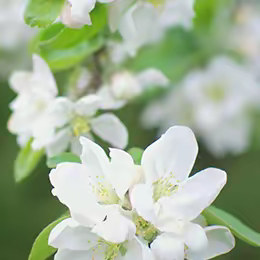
[(42, 13), (215, 216), (26, 162), (68, 37), (63, 157), (136, 153), (40, 249), (66, 58)]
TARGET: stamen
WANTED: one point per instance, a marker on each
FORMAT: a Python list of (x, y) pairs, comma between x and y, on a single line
[(80, 125), (164, 187), (145, 229)]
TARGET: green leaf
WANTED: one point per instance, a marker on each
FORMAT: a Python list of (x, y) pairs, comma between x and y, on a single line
[(67, 37), (26, 162), (63, 157), (69, 57), (64, 47), (40, 249), (136, 153), (42, 13), (215, 216)]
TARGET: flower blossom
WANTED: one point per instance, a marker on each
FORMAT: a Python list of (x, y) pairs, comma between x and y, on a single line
[(96, 194), (35, 91), (65, 121), (151, 211), (143, 22), (124, 86), (76, 13), (216, 102), (170, 200), (244, 35)]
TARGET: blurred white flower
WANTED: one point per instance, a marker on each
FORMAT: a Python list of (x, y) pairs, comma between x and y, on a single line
[(13, 30), (217, 103), (125, 86), (244, 36), (76, 13), (65, 121), (143, 22), (35, 91)]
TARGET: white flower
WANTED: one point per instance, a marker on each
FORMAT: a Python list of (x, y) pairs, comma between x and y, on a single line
[(143, 22), (35, 91), (125, 86), (65, 121), (170, 200), (77, 242), (196, 244), (94, 192), (76, 13), (217, 103), (244, 35), (14, 32)]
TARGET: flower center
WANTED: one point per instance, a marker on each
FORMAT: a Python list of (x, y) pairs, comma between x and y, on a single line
[(164, 187), (111, 250), (216, 93), (80, 125), (145, 229), (105, 192)]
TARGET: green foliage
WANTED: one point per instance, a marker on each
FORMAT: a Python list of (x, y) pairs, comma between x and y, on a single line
[(215, 216), (137, 154), (64, 47), (42, 13), (40, 249), (64, 157), (26, 162)]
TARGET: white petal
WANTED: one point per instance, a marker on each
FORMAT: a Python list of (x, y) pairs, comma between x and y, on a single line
[(152, 77), (65, 254), (80, 10), (195, 194), (94, 158), (88, 105), (220, 241), (43, 75), (108, 100), (69, 234), (72, 21), (20, 81), (138, 250), (116, 11), (195, 237), (115, 228), (76, 146), (142, 201), (168, 247), (58, 144), (123, 171), (175, 152), (111, 130), (72, 187)]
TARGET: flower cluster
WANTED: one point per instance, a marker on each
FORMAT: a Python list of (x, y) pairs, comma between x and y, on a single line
[(120, 210), (55, 123), (139, 22), (217, 102)]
